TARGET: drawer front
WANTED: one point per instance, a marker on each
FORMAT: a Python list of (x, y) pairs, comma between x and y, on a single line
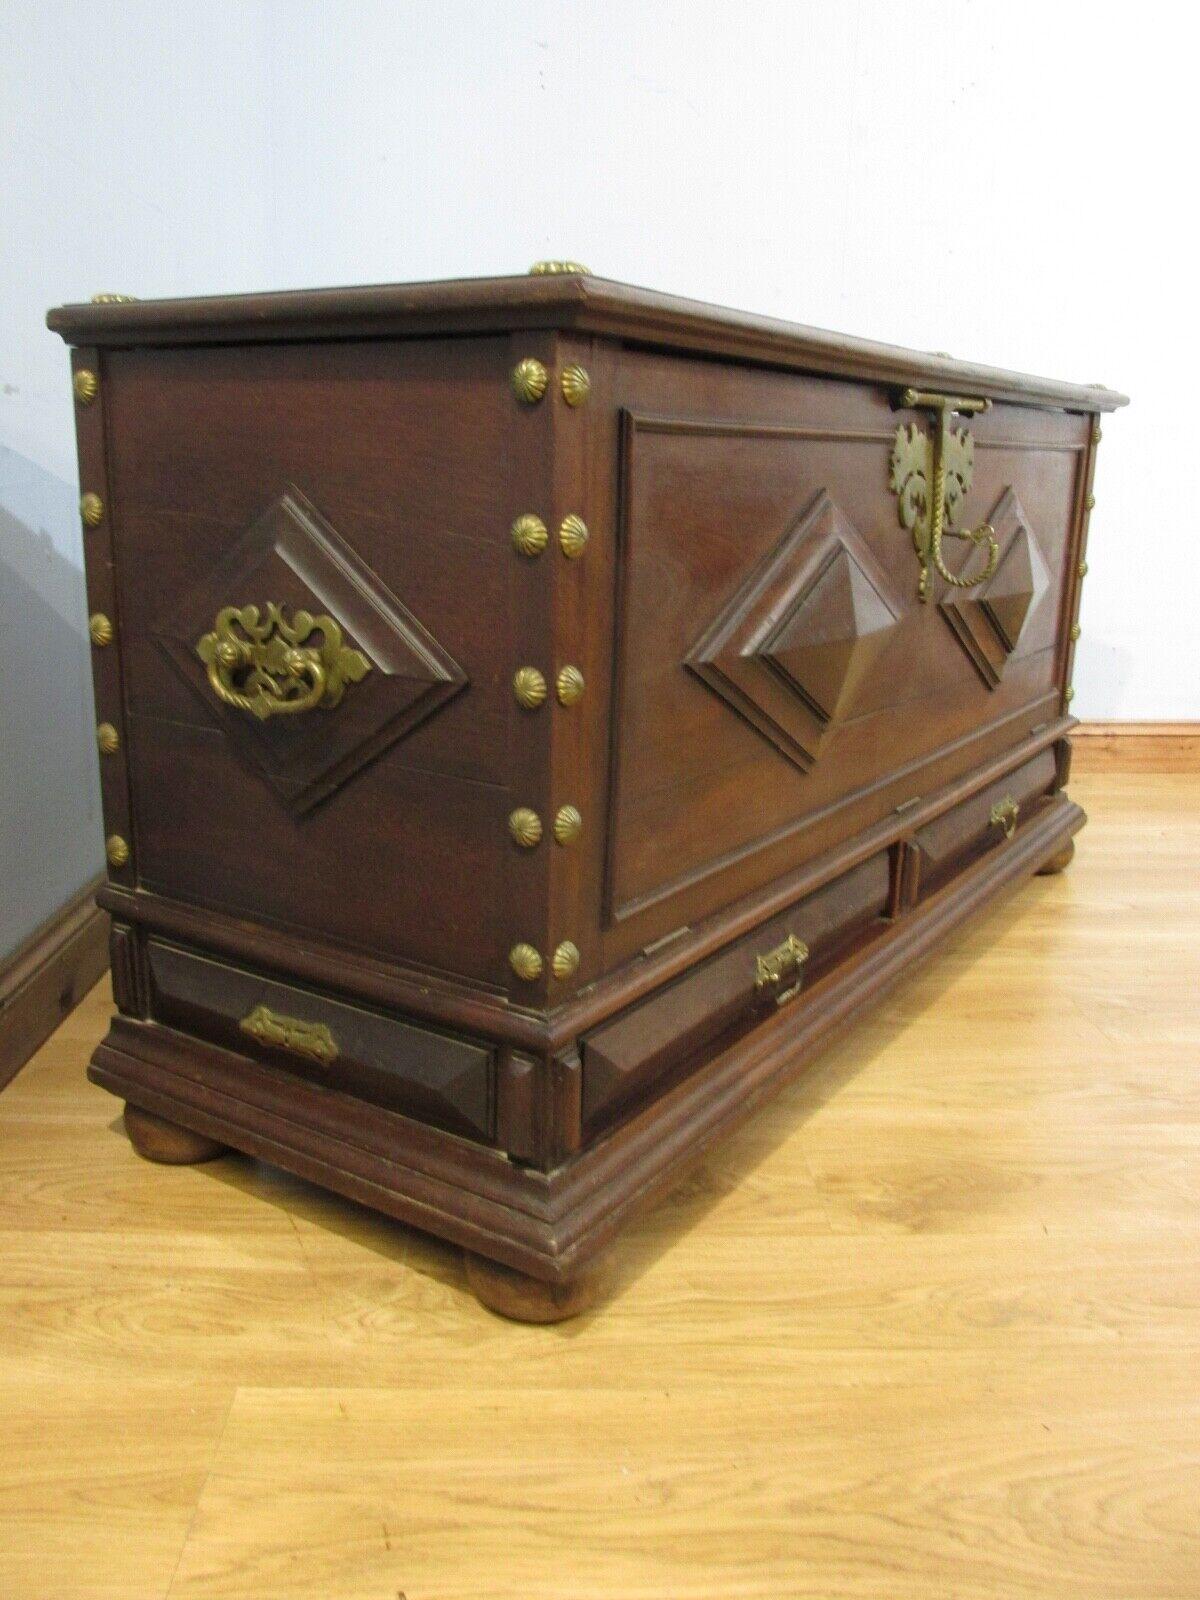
[(781, 685), (987, 821), (430, 1076), (728, 994)]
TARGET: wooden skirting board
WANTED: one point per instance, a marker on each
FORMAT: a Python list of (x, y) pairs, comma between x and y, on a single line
[(1136, 747), (46, 977)]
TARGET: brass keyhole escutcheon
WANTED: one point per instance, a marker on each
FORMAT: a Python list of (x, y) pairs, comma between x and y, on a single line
[(932, 477)]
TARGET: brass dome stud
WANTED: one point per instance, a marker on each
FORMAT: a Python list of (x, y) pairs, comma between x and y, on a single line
[(568, 824), (525, 962), (86, 386), (1091, 502), (558, 269), (529, 535), (565, 961), (1076, 630), (529, 686), (114, 299), (529, 380), (107, 739), (91, 509), (575, 384), (1083, 569), (525, 826), (1070, 694), (100, 629), (116, 850), (572, 536), (569, 686)]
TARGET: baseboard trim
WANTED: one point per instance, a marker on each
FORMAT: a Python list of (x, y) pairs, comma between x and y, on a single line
[(46, 977), (1136, 747)]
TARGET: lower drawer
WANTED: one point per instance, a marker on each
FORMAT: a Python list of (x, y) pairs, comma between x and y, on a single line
[(984, 821), (431, 1076), (731, 992)]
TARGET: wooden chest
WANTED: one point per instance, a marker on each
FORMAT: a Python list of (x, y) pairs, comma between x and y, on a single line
[(535, 713)]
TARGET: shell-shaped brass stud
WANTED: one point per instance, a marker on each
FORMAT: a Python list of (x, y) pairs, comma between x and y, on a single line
[(568, 824), (1070, 694), (529, 535), (529, 686), (1076, 630), (108, 739), (1083, 569), (554, 269), (525, 962), (116, 850), (565, 960), (525, 826), (86, 386), (529, 381), (114, 299), (576, 385), (569, 685), (100, 628), (1098, 435), (91, 509), (1091, 502), (572, 536)]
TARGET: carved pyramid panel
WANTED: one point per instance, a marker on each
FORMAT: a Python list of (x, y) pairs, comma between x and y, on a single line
[(789, 650), (292, 557), (988, 622)]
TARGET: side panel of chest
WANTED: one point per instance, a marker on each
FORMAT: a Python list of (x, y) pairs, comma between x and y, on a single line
[(779, 684)]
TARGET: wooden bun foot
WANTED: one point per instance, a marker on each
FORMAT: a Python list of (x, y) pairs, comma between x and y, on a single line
[(1058, 862), (514, 1294), (155, 1139)]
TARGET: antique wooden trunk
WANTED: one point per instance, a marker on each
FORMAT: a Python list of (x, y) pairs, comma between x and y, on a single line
[(535, 713)]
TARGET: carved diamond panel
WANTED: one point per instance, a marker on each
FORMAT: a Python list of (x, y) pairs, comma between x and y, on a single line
[(791, 647), (988, 622), (291, 555)]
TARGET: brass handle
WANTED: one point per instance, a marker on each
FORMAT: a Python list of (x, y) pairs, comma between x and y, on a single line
[(269, 666), (785, 961), (932, 478), (290, 1033), (1004, 815)]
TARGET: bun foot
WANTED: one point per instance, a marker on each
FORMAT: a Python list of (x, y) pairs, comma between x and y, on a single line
[(1058, 862), (524, 1299), (155, 1139)]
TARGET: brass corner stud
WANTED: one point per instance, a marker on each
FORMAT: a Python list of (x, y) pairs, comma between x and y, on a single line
[(529, 380), (569, 686), (525, 962), (576, 385), (108, 739), (529, 535), (525, 826), (114, 299), (572, 536), (116, 850), (100, 629), (568, 824), (529, 686), (86, 386), (565, 961), (91, 509)]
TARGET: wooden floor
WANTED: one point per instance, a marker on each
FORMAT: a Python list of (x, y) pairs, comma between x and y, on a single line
[(929, 1327)]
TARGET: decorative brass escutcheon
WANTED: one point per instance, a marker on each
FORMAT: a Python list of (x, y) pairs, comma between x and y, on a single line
[(780, 964), (311, 1039), (266, 665), (1004, 815), (932, 477)]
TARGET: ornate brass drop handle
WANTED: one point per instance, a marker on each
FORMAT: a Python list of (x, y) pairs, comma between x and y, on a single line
[(275, 665), (1004, 815), (932, 478)]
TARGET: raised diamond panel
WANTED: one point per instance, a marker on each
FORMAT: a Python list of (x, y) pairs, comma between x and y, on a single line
[(988, 622)]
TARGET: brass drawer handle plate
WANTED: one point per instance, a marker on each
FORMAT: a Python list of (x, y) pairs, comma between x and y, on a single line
[(778, 966), (312, 1039), (1004, 815), (932, 478), (275, 665)]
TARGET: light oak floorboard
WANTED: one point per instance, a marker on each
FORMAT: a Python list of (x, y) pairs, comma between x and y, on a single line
[(928, 1328)]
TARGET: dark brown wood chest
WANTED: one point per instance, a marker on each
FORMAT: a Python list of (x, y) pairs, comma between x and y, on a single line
[(535, 713)]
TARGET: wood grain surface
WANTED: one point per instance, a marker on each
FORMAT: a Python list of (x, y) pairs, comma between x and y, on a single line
[(927, 1328)]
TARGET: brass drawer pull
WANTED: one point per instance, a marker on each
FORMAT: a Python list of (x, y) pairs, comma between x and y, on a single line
[(1004, 815), (778, 965), (267, 667), (289, 1033)]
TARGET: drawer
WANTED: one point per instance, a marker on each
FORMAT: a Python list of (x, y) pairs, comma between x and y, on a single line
[(430, 1076), (984, 822), (726, 995)]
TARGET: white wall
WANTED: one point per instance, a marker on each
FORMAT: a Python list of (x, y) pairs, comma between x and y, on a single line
[(1010, 182)]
